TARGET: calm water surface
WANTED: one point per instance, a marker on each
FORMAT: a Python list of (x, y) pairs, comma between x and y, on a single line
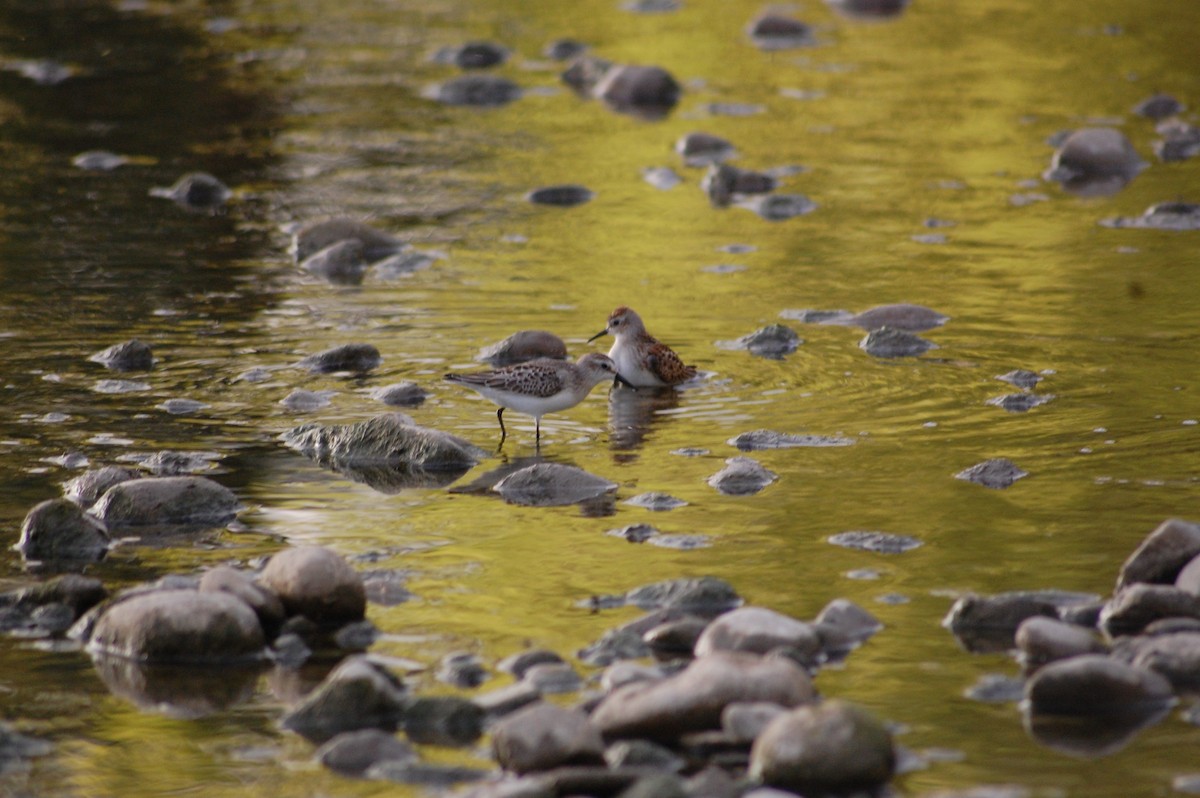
[(314, 109)]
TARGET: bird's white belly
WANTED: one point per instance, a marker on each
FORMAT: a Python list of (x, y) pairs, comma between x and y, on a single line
[(530, 405), (630, 366)]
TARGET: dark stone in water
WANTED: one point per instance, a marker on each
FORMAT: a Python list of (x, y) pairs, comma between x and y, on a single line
[(544, 736), (303, 401), (773, 341), (59, 531), (462, 669), (132, 355), (769, 439), (843, 626), (435, 778), (173, 464), (564, 196), (182, 406), (317, 583), (995, 688), (355, 358), (778, 207), (266, 605), (473, 55), (901, 316), (889, 342), (197, 191), (87, 488), (879, 542), (989, 623), (166, 501), (646, 91), (997, 473), (1042, 640), (507, 700), (1158, 106), (553, 677), (706, 596), (1179, 142), (777, 32), (585, 73), (1094, 162), (723, 183), (343, 263), (316, 236), (517, 664), (1092, 685), (1164, 553), (758, 630), (1175, 656), (657, 502), (868, 9), (564, 49), (1022, 378), (552, 484), (1163, 216), (443, 720), (703, 149), (386, 588), (403, 264), (1138, 605), (523, 346), (482, 91), (1020, 402), (358, 694), (676, 638), (402, 394), (742, 476), (635, 533), (48, 609), (99, 160), (643, 753), (811, 316), (353, 753)]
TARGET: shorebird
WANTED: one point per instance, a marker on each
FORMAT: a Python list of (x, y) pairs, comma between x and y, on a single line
[(540, 386), (643, 360)]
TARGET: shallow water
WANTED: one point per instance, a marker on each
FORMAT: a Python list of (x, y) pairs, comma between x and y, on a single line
[(313, 109)]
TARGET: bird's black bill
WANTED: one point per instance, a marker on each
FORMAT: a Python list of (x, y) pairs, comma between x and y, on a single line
[(621, 380), (597, 335)]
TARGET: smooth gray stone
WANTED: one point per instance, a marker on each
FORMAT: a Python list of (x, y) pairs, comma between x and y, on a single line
[(166, 501), (508, 699), (1158, 106), (461, 669), (706, 596), (564, 196), (757, 630), (179, 626), (353, 753), (196, 191), (643, 753), (1162, 555), (1042, 640), (761, 439), (517, 664), (773, 341), (1094, 162), (742, 476), (544, 736), (744, 721), (59, 530), (357, 694), (703, 149), (1093, 684), (888, 342), (132, 355), (773, 31), (676, 637), (482, 91), (989, 623), (657, 502), (900, 316), (264, 602), (843, 625), (523, 346), (550, 678), (443, 720), (878, 542), (1022, 378), (316, 236), (1133, 608), (355, 358), (317, 583), (343, 262), (552, 485), (997, 474), (406, 393), (301, 400), (1175, 656), (473, 55), (647, 91)]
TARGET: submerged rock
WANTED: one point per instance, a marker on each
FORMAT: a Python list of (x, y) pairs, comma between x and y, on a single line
[(703, 149), (1041, 640), (694, 699), (1158, 106), (778, 207), (758, 630), (523, 346), (179, 626), (99, 160), (1179, 142), (58, 530), (834, 747), (544, 736), (482, 91), (1138, 605), (354, 753), (900, 316), (879, 542), (473, 55), (777, 32), (868, 9), (1094, 162), (443, 720), (646, 91), (706, 596), (551, 485), (1093, 684), (358, 694), (131, 355), (166, 501), (315, 582), (761, 439), (1020, 402), (357, 358), (656, 502), (989, 623), (316, 236), (1163, 216), (723, 183), (197, 191), (997, 473), (889, 342), (402, 394), (773, 341), (303, 401), (342, 263), (1162, 555), (742, 476), (1022, 378), (564, 196)]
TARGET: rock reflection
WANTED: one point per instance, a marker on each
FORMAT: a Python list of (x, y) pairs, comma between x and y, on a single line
[(633, 412), (177, 690), (1089, 736)]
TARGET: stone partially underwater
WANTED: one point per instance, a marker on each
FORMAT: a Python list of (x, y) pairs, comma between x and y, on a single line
[(388, 452)]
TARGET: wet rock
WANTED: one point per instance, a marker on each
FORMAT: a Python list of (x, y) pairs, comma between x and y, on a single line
[(182, 406), (1189, 577), (179, 626), (342, 263), (303, 401), (723, 183), (635, 533), (644, 754), (358, 694), (443, 720), (1093, 684), (1041, 640), (167, 463), (901, 316), (356, 358), (1094, 162), (614, 645), (778, 207), (773, 341), (473, 55), (997, 473), (99, 160), (266, 605), (545, 736), (758, 630), (814, 316), (196, 191), (1163, 216), (482, 91), (622, 673), (353, 753), (843, 625), (1158, 106), (663, 178), (657, 502), (761, 439), (523, 346), (387, 451), (1020, 402), (646, 91), (316, 236), (651, 6), (675, 638), (48, 609), (552, 485), (517, 664), (404, 264), (889, 342), (166, 501), (744, 721), (1162, 555), (553, 678), (742, 476), (58, 530), (833, 747), (878, 542), (703, 149), (386, 588), (131, 355), (1138, 605), (1179, 142), (996, 688), (988, 623), (1022, 378), (356, 636), (585, 73), (705, 596), (564, 49), (714, 781), (777, 32), (564, 196), (508, 699), (1174, 655), (434, 778), (693, 699), (315, 582), (868, 9), (462, 669)]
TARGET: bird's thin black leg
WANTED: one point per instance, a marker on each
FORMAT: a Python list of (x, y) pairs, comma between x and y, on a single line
[(537, 426), (503, 432)]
